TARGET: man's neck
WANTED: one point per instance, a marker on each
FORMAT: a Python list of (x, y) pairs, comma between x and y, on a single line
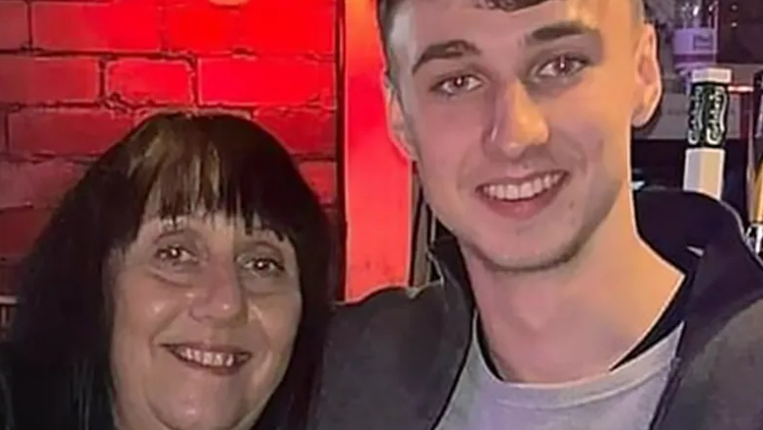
[(576, 321)]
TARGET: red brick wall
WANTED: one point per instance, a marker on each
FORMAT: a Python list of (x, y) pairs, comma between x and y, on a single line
[(75, 75)]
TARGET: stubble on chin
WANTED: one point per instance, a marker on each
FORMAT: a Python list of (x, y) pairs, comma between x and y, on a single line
[(556, 256), (526, 265)]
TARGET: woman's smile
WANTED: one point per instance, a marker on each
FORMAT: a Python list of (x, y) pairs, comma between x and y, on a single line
[(220, 360)]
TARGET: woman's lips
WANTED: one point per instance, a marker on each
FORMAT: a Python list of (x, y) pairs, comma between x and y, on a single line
[(218, 359)]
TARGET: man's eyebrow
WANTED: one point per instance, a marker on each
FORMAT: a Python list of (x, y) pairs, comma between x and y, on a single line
[(458, 48), (560, 30), (445, 50), (508, 5)]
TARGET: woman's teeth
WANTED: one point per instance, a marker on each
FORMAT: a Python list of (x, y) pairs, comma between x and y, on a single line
[(211, 359)]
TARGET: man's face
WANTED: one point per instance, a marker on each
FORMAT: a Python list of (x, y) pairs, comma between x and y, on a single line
[(519, 121)]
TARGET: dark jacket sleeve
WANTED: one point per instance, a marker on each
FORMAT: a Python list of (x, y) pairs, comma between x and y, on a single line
[(384, 352)]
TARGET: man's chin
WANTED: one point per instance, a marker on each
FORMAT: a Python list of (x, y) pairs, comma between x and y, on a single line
[(522, 259), (533, 265)]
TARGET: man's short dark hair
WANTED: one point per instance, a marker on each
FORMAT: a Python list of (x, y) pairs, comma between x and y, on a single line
[(385, 13)]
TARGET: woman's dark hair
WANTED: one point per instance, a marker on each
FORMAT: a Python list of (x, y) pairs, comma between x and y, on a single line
[(61, 334)]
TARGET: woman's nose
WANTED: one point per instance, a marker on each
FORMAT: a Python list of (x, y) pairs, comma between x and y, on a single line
[(220, 299)]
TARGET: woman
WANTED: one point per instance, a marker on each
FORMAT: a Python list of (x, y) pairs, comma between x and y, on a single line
[(183, 284)]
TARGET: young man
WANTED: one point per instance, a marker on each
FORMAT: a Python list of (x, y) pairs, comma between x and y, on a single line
[(565, 302)]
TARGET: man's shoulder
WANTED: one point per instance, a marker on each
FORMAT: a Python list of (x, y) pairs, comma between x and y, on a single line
[(396, 322), (388, 350), (390, 309), (740, 335), (718, 385)]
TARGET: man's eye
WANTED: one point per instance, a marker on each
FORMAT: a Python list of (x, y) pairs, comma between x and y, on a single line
[(264, 266), (175, 255), (457, 85), (564, 66)]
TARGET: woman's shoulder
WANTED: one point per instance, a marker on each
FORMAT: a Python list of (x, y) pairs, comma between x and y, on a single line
[(15, 384), (45, 395), (6, 408)]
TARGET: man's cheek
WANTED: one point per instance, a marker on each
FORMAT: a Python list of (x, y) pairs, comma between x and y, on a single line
[(576, 140)]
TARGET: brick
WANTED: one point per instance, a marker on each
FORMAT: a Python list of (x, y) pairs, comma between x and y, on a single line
[(265, 82), (200, 27), (286, 28), (19, 229), (14, 32), (36, 184), (65, 131), (263, 27), (321, 175), (143, 81), (32, 80), (118, 26), (304, 131)]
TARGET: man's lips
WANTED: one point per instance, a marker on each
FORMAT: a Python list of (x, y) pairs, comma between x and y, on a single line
[(516, 189), (523, 198)]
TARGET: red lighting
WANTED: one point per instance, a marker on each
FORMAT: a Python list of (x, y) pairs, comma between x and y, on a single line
[(378, 199), (228, 3)]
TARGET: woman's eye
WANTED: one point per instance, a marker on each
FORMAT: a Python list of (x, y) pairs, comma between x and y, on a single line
[(175, 255), (457, 85), (264, 266), (564, 66)]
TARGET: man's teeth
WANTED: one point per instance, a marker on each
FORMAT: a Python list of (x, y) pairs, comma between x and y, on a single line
[(209, 358), (522, 191)]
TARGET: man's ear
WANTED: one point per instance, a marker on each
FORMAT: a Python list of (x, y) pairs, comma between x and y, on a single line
[(396, 118), (648, 77)]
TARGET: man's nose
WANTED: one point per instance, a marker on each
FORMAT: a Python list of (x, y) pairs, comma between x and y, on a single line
[(220, 299), (516, 123)]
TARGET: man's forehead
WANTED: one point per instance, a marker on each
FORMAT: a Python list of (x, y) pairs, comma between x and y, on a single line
[(553, 8), (421, 22)]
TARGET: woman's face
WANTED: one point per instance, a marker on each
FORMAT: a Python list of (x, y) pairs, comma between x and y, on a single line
[(205, 318)]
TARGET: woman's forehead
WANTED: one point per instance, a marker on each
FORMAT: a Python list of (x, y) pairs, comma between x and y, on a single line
[(200, 216), (209, 226)]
